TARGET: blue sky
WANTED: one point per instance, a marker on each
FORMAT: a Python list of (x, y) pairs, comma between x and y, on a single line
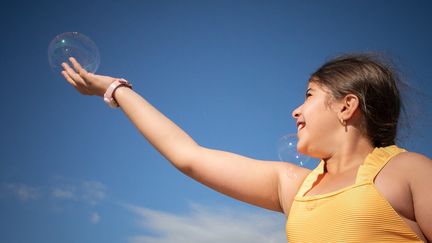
[(228, 72)]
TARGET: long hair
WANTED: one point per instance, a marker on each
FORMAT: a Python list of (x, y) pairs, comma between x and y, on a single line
[(373, 80)]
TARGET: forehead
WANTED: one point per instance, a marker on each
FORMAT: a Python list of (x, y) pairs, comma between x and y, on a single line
[(317, 87)]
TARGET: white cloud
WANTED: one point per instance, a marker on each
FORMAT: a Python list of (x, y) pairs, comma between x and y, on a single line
[(210, 225), (63, 193), (84, 191), (94, 218), (93, 192), (24, 192), (63, 190)]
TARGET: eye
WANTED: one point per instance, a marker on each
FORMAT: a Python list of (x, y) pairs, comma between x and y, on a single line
[(308, 95)]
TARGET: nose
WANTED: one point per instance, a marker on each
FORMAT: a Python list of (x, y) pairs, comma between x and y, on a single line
[(296, 112)]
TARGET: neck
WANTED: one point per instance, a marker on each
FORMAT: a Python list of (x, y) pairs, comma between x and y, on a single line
[(348, 156)]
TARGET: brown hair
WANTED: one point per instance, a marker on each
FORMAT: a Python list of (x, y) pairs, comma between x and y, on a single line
[(374, 81)]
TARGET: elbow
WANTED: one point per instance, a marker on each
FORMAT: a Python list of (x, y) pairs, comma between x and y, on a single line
[(186, 160), (183, 165), (185, 168)]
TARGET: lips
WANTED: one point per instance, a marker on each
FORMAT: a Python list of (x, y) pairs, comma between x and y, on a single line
[(300, 125)]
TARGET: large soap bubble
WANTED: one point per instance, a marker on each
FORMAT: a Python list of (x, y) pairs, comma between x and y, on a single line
[(287, 151), (73, 44)]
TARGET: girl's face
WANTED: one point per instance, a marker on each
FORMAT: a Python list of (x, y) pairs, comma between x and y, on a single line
[(318, 125)]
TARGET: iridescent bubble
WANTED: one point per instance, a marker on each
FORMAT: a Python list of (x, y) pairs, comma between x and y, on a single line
[(287, 152), (73, 44)]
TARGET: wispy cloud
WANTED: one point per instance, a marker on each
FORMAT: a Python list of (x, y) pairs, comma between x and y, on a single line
[(94, 217), (93, 192), (88, 192), (211, 225), (81, 192), (24, 192), (85, 191), (64, 193)]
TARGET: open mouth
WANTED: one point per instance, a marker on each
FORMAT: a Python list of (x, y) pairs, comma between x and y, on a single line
[(300, 125)]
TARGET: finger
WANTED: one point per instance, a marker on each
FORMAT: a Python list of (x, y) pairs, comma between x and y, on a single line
[(68, 78), (80, 89), (72, 74), (69, 70), (77, 66), (87, 76)]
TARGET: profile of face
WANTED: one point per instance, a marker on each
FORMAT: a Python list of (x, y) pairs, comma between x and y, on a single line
[(318, 122)]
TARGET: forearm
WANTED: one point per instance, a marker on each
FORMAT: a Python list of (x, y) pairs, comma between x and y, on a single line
[(170, 140), (252, 181)]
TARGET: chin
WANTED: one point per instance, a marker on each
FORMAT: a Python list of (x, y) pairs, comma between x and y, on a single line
[(301, 148), (307, 150)]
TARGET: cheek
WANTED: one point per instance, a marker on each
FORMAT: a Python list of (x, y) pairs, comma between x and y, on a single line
[(322, 128), (320, 118), (325, 124), (319, 132)]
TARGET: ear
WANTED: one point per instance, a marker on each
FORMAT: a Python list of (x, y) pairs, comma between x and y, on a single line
[(348, 107)]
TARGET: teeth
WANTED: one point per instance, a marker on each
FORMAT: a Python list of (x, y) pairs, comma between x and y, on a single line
[(300, 126)]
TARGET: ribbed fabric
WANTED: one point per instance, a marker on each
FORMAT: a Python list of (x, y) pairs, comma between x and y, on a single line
[(357, 213)]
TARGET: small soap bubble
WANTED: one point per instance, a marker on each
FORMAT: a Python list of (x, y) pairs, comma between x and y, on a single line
[(73, 44), (287, 152)]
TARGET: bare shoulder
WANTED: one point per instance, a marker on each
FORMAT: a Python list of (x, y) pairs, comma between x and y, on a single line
[(418, 168), (413, 156), (413, 163), (412, 196), (409, 167)]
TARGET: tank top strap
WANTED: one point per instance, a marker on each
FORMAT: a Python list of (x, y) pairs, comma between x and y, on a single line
[(310, 179), (375, 161)]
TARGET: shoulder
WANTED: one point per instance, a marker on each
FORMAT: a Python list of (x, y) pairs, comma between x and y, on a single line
[(418, 169), (413, 162), (409, 168), (418, 166), (412, 156)]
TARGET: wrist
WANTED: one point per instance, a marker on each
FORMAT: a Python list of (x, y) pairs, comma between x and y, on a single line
[(119, 91), (109, 94)]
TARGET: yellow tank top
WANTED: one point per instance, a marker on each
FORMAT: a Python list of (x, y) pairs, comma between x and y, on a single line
[(357, 213)]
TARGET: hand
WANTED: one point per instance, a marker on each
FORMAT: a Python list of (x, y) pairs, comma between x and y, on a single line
[(86, 83)]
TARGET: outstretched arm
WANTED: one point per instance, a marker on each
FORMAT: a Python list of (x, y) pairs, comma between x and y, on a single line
[(249, 180)]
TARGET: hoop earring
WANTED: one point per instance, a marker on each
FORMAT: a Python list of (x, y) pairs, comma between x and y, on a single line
[(344, 123)]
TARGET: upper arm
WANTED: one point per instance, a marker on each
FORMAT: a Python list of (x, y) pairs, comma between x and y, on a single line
[(262, 183), (421, 188)]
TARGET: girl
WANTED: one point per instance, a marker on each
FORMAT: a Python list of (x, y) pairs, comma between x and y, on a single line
[(365, 189)]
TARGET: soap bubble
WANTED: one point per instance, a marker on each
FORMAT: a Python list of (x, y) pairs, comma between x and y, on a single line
[(287, 151), (73, 44)]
